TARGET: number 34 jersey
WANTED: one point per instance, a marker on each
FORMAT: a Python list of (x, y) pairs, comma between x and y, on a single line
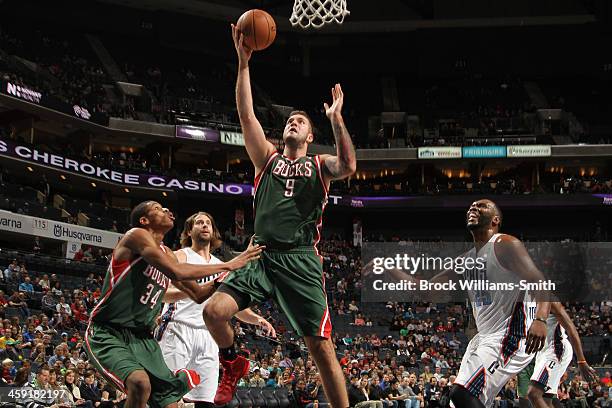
[(290, 196), (131, 295)]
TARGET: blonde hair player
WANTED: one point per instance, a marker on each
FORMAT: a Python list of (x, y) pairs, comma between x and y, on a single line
[(182, 334), (118, 337)]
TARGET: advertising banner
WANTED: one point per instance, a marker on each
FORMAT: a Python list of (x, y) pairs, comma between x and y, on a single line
[(528, 151), (31, 154), (232, 138), (197, 133), (434, 152), (30, 94), (44, 228), (483, 151)]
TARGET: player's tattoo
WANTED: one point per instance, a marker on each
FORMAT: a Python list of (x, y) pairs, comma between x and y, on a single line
[(343, 164)]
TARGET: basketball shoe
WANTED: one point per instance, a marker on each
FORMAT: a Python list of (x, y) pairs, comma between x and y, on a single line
[(233, 371)]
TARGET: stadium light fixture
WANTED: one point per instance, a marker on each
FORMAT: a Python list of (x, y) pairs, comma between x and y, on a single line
[(30, 169), (127, 190), (63, 177)]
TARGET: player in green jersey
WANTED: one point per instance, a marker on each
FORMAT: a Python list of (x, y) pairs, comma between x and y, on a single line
[(290, 195), (119, 336)]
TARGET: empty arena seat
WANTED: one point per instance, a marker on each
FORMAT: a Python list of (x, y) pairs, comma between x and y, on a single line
[(268, 394), (282, 395), (258, 399), (244, 397)]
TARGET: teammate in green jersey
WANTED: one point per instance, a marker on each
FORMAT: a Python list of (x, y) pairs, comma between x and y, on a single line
[(290, 195), (119, 336)]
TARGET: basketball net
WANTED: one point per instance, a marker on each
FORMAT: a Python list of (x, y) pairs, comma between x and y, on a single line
[(316, 13)]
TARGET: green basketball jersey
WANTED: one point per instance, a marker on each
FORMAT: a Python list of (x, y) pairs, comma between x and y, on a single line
[(289, 199), (131, 295)]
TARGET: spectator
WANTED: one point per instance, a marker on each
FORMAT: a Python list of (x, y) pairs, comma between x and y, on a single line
[(63, 307), (426, 374), (286, 363), (442, 364), (49, 303), (11, 273), (8, 371), (359, 395), (74, 393), (37, 245), (90, 391), (44, 282), (271, 383), (301, 396), (45, 327), (18, 300), (11, 351), (393, 394), (36, 285), (57, 289), (42, 378), (22, 378), (256, 380), (26, 285), (411, 399)]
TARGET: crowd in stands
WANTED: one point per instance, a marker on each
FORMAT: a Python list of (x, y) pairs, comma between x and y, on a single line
[(507, 183), (402, 355), (65, 66), (471, 111)]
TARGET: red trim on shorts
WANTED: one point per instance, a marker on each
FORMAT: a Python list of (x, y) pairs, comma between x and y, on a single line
[(192, 377), (107, 373)]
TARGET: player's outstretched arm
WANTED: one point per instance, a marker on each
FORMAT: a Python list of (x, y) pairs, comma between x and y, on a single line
[(513, 256), (139, 241), (587, 372), (189, 289), (258, 148), (344, 163), (249, 316)]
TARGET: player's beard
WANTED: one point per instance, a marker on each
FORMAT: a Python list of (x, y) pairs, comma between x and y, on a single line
[(484, 220), (201, 241)]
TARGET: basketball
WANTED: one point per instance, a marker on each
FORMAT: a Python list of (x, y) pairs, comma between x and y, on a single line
[(259, 29)]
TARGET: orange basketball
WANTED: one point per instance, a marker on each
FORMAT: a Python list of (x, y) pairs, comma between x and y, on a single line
[(259, 29)]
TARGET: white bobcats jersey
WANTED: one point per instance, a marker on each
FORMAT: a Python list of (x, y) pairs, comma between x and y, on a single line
[(496, 309), (187, 311), (555, 334)]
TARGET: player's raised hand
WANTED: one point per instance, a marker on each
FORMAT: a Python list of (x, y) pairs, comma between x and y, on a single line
[(335, 110), (252, 253), (244, 52), (536, 337), (587, 372), (267, 327)]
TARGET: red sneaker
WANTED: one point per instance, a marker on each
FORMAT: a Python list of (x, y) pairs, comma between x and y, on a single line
[(233, 371), (193, 378)]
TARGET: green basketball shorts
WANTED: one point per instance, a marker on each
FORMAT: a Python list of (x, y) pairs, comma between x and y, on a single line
[(117, 353), (523, 379), (294, 280)]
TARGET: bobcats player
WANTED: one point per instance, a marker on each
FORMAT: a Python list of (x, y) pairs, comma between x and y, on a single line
[(118, 338), (183, 336), (503, 345), (552, 361), (290, 194)]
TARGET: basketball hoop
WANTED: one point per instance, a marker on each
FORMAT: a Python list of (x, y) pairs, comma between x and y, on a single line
[(316, 13)]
